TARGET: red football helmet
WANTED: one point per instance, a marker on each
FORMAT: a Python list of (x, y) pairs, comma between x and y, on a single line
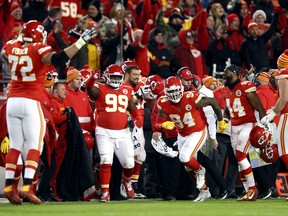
[(260, 136), (114, 76), (154, 85), (184, 73), (125, 64), (269, 153), (88, 139), (33, 31), (86, 71), (174, 89)]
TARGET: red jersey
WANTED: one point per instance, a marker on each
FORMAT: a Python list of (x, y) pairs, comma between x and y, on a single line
[(71, 12), (79, 101), (185, 114), (268, 98), (58, 107), (46, 99), (219, 96), (112, 106), (283, 74), (238, 105), (140, 102), (27, 69)]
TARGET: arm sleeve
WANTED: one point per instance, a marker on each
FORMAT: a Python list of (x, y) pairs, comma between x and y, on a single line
[(211, 121)]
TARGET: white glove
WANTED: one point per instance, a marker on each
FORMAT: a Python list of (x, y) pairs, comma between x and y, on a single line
[(86, 36), (161, 147), (268, 118)]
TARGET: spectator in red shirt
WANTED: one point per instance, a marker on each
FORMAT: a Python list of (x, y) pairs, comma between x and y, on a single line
[(14, 23)]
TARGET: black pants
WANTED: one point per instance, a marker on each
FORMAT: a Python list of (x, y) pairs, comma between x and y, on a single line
[(228, 153)]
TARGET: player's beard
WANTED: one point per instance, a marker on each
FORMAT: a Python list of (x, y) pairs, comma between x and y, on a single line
[(229, 84)]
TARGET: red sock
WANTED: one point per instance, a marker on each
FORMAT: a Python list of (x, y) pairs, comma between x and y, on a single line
[(193, 164), (31, 165), (136, 171), (17, 176), (105, 176), (127, 173), (11, 165)]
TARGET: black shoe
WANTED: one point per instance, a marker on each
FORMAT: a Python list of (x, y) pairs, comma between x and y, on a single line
[(45, 197), (153, 196), (231, 193), (135, 186), (169, 198), (118, 197), (186, 197), (222, 195)]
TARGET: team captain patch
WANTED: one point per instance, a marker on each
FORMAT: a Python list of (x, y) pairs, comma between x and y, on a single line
[(188, 107), (238, 93)]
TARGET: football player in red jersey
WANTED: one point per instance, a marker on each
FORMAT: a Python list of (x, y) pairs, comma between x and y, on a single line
[(281, 108), (71, 12), (241, 102), (181, 110), (113, 100), (26, 57), (131, 78)]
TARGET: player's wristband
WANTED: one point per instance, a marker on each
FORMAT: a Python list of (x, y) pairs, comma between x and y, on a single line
[(80, 43)]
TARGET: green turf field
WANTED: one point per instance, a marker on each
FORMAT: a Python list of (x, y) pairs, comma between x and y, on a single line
[(229, 207)]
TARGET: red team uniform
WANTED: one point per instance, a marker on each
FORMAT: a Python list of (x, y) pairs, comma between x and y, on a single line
[(239, 107), (25, 93), (187, 120), (28, 60), (71, 11), (282, 128), (112, 105), (113, 135), (242, 117)]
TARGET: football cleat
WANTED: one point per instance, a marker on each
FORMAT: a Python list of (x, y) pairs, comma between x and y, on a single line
[(200, 178), (11, 194), (203, 195), (251, 195), (223, 195), (128, 187), (139, 196), (105, 197), (26, 191)]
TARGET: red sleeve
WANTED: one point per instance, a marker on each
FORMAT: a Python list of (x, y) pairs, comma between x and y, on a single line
[(282, 20), (145, 13), (57, 113), (246, 20), (156, 120), (196, 22), (219, 96), (263, 99), (145, 35), (51, 40), (202, 34)]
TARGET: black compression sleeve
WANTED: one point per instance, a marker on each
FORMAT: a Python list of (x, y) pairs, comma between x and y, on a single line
[(59, 58)]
